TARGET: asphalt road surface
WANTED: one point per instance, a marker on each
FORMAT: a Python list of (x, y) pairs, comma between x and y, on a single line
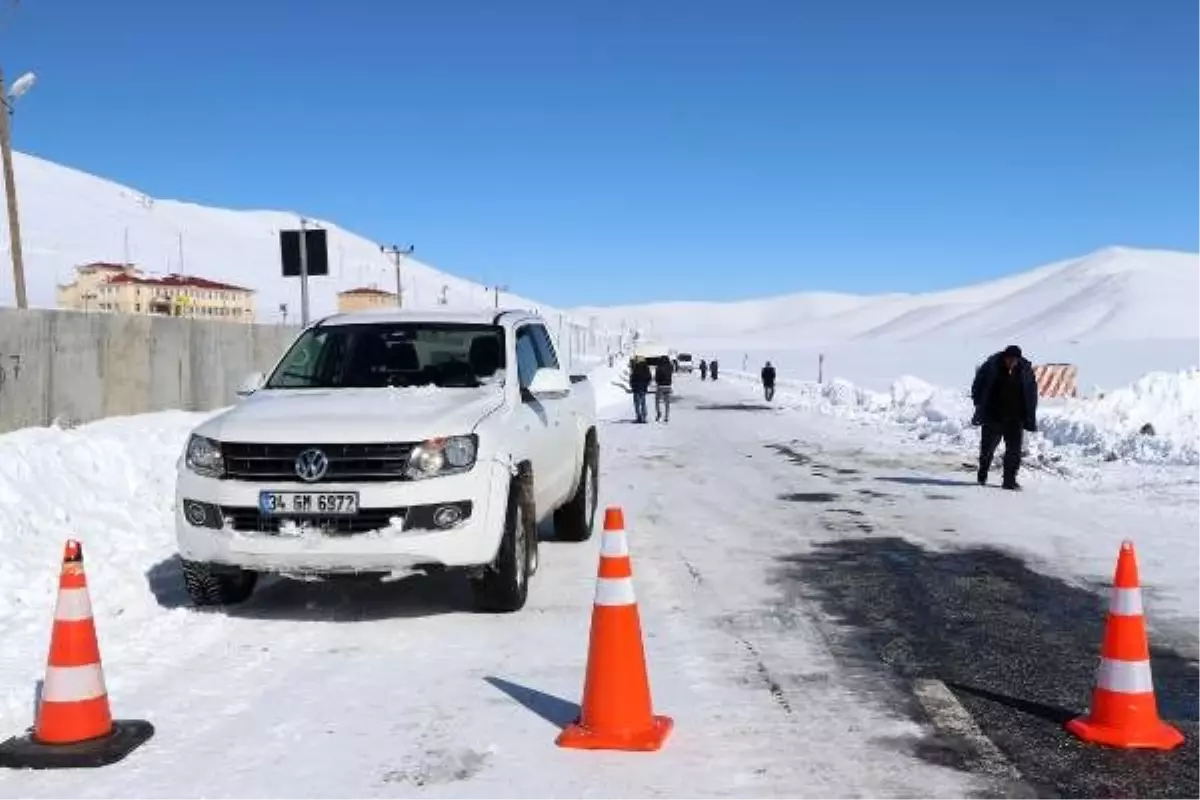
[(1017, 648)]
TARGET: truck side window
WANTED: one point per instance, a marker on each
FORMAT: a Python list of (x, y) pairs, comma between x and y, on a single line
[(545, 346), (527, 357)]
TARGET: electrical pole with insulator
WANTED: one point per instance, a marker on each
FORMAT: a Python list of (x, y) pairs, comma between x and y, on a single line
[(397, 255)]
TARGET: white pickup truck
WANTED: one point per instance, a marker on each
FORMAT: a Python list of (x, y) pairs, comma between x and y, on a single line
[(392, 443)]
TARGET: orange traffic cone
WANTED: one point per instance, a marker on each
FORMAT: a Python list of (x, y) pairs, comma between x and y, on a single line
[(1124, 712), (616, 712), (74, 726)]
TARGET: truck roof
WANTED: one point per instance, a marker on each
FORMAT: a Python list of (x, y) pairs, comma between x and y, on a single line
[(469, 316)]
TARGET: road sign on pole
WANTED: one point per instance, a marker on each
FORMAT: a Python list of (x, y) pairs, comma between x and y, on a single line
[(304, 253)]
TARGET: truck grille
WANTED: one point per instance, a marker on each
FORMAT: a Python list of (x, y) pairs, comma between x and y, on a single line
[(347, 462), (248, 518)]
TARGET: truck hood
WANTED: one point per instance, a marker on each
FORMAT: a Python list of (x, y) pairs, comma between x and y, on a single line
[(353, 416)]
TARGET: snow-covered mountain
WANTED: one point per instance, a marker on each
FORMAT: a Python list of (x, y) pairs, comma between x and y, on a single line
[(69, 217), (1114, 294)]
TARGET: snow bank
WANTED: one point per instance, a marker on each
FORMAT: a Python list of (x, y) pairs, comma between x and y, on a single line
[(109, 484), (1111, 426), (1114, 424), (609, 385)]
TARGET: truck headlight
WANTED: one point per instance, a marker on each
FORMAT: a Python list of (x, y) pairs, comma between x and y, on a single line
[(203, 457), (448, 456)]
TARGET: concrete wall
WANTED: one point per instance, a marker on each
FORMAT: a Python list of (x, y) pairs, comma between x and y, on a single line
[(80, 367)]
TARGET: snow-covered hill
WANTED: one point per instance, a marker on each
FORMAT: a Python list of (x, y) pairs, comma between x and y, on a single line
[(1113, 294), (69, 217)]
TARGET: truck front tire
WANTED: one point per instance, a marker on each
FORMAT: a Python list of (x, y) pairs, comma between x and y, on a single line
[(214, 585), (504, 585)]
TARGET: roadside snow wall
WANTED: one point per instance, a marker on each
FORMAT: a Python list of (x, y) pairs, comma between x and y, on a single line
[(75, 367)]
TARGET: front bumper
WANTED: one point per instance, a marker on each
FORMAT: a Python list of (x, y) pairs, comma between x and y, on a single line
[(366, 543)]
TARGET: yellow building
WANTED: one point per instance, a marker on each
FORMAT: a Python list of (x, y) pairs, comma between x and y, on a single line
[(123, 289), (364, 299)]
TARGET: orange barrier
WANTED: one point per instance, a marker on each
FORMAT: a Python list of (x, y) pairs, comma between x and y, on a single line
[(616, 713), (74, 725), (1124, 711), (1056, 380)]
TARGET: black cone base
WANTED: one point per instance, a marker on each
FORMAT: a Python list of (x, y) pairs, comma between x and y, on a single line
[(25, 753)]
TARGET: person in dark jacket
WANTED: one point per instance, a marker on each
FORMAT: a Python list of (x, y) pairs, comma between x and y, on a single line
[(1005, 395), (768, 381), (639, 384), (663, 375), (703, 369), (713, 369)]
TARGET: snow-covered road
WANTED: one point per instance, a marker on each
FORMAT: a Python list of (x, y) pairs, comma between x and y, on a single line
[(360, 688)]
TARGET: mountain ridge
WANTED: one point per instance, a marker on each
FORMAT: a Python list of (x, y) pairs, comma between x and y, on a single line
[(1114, 293)]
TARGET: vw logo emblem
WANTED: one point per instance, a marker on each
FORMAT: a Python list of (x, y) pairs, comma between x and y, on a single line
[(311, 465)]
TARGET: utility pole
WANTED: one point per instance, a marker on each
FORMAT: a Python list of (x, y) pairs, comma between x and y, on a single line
[(303, 272), (496, 290), (10, 193), (397, 255)]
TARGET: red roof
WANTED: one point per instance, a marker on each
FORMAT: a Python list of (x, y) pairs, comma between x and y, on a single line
[(105, 265), (368, 290), (178, 281)]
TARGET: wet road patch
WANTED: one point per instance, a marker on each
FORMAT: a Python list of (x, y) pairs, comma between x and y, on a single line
[(1018, 649), (809, 497), (791, 454), (733, 407)]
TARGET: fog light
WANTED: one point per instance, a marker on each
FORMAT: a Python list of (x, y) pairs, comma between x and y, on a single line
[(196, 513), (447, 516)]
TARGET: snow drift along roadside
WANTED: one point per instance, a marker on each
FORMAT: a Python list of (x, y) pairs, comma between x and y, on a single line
[(109, 484), (1110, 426)]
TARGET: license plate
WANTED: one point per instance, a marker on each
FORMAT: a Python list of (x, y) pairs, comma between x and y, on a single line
[(332, 504)]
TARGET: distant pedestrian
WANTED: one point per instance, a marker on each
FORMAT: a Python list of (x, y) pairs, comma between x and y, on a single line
[(768, 381), (703, 369), (1005, 395), (639, 384), (663, 375), (713, 369)]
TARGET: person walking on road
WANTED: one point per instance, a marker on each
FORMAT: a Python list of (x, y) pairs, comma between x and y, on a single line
[(768, 381), (713, 369), (639, 384), (663, 375), (1005, 395), (703, 370)]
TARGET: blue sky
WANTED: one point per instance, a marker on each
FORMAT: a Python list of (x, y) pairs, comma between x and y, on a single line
[(635, 150)]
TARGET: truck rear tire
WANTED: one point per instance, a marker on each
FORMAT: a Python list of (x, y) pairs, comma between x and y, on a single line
[(504, 585), (575, 521), (217, 585)]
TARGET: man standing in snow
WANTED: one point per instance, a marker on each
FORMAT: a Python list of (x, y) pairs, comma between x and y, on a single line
[(639, 384), (703, 370), (1005, 395), (713, 369), (663, 375), (768, 381)]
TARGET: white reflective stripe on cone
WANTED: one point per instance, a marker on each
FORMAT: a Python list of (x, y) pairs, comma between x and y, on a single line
[(1126, 677), (614, 544), (1125, 602), (73, 605), (614, 592), (73, 684)]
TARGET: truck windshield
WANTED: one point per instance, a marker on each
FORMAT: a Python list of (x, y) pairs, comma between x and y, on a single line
[(377, 355)]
